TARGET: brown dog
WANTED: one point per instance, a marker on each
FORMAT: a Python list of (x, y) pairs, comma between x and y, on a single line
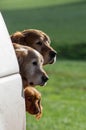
[(33, 101), (30, 63), (37, 40)]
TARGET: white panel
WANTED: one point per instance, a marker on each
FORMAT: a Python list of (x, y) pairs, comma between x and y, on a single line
[(8, 61), (12, 107)]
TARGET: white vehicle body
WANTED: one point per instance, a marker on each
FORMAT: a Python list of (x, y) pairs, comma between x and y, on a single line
[(12, 104)]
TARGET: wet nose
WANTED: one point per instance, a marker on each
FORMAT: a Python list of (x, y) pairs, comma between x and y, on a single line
[(45, 78), (52, 54)]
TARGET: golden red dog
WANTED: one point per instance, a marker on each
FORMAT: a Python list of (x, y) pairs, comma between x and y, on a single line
[(33, 50), (33, 101), (37, 40)]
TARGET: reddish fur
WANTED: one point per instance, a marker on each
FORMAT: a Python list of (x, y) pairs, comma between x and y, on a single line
[(33, 101), (37, 40)]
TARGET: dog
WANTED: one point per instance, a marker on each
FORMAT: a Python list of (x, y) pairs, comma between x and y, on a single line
[(33, 101), (31, 66), (38, 40)]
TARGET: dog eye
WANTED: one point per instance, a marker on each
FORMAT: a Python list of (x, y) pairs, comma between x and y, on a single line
[(29, 99), (34, 63), (39, 43)]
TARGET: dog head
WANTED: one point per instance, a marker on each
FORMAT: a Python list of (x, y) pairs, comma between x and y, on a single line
[(31, 65), (33, 101), (37, 40)]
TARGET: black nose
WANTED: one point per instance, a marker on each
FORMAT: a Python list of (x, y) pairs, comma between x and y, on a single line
[(52, 54), (45, 78)]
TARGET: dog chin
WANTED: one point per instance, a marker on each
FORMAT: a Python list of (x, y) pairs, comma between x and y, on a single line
[(43, 84), (33, 113), (53, 60), (40, 84)]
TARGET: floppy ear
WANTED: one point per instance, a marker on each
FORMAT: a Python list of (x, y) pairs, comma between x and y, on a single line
[(39, 115), (21, 53), (17, 37)]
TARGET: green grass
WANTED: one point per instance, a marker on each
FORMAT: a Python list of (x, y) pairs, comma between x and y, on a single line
[(63, 20), (63, 98), (20, 4)]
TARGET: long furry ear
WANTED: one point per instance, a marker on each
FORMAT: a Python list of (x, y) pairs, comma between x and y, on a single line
[(21, 53), (17, 37), (39, 115)]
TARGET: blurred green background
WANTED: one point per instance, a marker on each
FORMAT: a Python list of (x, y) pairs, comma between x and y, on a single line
[(64, 97)]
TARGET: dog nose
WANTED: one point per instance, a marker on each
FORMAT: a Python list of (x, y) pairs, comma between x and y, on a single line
[(52, 54), (45, 78)]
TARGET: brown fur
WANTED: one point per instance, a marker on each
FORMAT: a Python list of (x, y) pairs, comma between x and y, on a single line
[(33, 101), (37, 40)]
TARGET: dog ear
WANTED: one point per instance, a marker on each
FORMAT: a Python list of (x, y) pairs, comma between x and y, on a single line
[(39, 115), (21, 53), (17, 37)]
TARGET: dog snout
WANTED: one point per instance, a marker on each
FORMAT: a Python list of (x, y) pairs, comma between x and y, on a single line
[(52, 54), (45, 78)]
